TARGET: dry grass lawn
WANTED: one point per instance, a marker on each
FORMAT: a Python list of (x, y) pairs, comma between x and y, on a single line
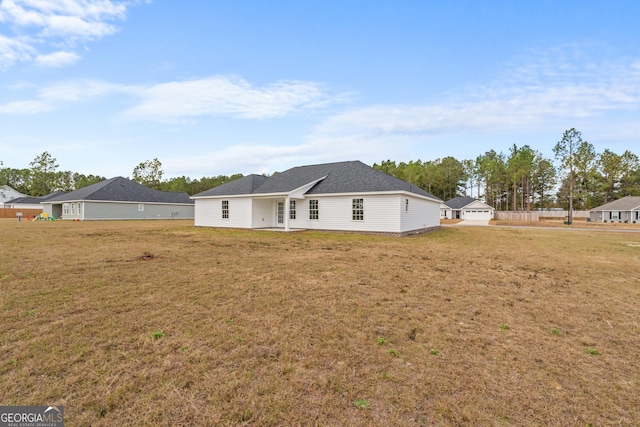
[(577, 223), (162, 323)]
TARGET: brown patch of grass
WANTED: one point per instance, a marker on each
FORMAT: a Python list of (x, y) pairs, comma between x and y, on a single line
[(489, 325), (577, 223)]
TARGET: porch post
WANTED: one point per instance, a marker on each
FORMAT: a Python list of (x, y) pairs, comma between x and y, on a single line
[(287, 207)]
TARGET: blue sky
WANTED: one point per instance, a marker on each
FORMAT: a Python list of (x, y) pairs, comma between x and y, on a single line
[(223, 87)]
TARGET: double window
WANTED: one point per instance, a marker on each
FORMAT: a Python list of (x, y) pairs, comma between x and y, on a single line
[(357, 209), (314, 212), (225, 209)]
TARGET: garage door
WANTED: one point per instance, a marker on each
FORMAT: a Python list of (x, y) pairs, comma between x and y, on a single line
[(476, 214)]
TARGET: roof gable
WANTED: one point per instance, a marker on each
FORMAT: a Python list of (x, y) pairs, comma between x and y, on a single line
[(465, 201), (244, 185), (120, 189), (8, 193)]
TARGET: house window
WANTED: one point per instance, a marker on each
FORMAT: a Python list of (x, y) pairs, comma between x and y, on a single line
[(637, 214), (406, 206), (140, 207), (314, 212), (225, 209), (79, 208), (292, 209), (73, 209), (357, 209), (65, 209)]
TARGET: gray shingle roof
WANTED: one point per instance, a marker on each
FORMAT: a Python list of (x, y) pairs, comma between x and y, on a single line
[(244, 185), (24, 201), (627, 203), (341, 177), (459, 202), (34, 200), (120, 189)]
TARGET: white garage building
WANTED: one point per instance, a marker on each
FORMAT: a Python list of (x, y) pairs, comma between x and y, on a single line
[(465, 207)]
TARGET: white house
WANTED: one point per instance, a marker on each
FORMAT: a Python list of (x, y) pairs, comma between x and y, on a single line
[(345, 196), (7, 193), (29, 202), (465, 207)]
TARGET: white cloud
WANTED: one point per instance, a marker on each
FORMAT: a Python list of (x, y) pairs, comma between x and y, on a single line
[(241, 158), (224, 96), (60, 95), (178, 102), (14, 50), (25, 107), (41, 24), (537, 95), (57, 59)]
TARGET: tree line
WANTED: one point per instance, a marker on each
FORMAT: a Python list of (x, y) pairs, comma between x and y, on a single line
[(42, 177), (522, 179)]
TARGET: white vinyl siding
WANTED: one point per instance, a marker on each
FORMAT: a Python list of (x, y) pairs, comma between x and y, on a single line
[(129, 210), (422, 214), (384, 213), (208, 213)]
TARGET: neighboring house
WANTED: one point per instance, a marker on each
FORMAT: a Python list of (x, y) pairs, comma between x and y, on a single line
[(119, 198), (626, 209), (344, 196), (7, 193), (465, 207), (28, 202)]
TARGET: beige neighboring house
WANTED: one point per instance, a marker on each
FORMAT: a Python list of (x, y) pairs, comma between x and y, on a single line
[(626, 209), (7, 193)]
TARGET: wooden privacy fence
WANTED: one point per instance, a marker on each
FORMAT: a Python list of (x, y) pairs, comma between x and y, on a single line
[(11, 213), (563, 214), (536, 215)]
